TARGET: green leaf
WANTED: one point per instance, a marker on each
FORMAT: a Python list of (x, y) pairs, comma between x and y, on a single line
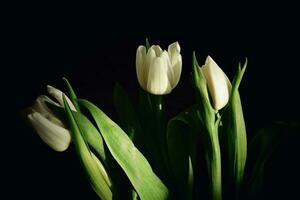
[(182, 145), (72, 94), (126, 112), (234, 132), (91, 134), (134, 195), (93, 167), (145, 182)]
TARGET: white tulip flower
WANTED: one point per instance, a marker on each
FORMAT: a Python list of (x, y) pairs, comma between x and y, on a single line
[(218, 83), (158, 71), (50, 129)]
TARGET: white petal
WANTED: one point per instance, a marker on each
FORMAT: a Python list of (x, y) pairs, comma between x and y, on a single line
[(174, 52), (177, 67), (149, 59), (216, 82), (140, 66), (170, 73), (228, 83), (158, 82), (158, 51), (58, 95), (176, 62), (40, 106), (58, 138)]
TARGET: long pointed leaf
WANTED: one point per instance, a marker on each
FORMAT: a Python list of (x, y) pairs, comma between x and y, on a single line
[(91, 134), (146, 183), (93, 167), (72, 94), (234, 133)]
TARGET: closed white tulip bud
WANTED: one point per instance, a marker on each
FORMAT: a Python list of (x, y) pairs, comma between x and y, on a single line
[(218, 83), (158, 71), (50, 129)]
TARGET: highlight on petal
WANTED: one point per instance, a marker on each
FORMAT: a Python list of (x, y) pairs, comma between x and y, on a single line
[(158, 82), (57, 137), (217, 83)]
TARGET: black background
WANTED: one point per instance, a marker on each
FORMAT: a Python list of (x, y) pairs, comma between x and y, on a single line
[(94, 47)]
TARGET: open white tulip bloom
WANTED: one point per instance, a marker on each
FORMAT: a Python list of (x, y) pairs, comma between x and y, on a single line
[(50, 129), (218, 83), (158, 71)]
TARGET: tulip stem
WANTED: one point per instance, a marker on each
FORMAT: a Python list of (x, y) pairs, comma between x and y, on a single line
[(213, 159), (160, 121), (214, 165)]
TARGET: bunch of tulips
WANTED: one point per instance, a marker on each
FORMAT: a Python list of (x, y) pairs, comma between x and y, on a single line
[(200, 152)]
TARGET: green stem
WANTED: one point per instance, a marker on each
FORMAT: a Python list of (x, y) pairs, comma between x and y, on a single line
[(160, 121), (216, 171), (213, 159)]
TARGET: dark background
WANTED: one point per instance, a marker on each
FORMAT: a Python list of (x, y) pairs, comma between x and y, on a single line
[(94, 47)]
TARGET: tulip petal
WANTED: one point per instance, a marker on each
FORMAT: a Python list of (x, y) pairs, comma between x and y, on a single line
[(158, 51), (58, 95), (41, 107), (171, 61), (149, 59), (158, 82), (170, 72), (140, 66), (174, 51), (57, 137), (228, 83), (176, 62), (216, 82), (177, 71)]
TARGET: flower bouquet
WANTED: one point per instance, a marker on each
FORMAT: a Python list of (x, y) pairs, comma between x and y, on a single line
[(201, 152)]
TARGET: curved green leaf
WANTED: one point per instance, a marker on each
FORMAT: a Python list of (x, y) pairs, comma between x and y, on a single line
[(234, 132), (91, 135), (93, 167), (145, 182), (72, 94)]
